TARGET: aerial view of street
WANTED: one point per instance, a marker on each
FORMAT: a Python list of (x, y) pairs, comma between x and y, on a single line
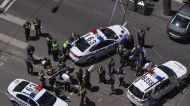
[(94, 52)]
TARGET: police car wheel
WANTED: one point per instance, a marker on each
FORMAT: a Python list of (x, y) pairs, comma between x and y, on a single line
[(90, 60), (15, 103)]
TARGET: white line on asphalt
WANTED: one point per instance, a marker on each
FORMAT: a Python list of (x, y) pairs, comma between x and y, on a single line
[(14, 19), (122, 6), (9, 5), (125, 23), (2, 92), (4, 3), (10, 40), (90, 69)]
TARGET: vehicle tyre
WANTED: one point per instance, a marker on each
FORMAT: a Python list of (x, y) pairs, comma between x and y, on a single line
[(90, 60), (15, 103)]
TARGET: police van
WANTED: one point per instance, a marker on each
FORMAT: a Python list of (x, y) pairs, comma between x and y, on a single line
[(25, 93), (156, 82)]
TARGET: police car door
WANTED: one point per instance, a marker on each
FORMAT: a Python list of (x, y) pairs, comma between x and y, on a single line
[(23, 100), (161, 89)]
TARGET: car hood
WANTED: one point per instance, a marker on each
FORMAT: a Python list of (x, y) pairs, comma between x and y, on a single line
[(118, 28), (177, 67), (60, 102)]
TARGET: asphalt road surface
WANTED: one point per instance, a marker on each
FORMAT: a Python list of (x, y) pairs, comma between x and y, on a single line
[(62, 17)]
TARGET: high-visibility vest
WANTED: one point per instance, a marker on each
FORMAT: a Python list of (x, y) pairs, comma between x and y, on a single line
[(62, 58), (50, 71), (82, 91), (65, 44), (41, 76), (100, 70), (55, 47)]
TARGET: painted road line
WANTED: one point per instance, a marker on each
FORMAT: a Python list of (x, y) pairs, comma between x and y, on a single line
[(10, 40), (122, 6), (4, 3), (9, 5), (90, 69), (14, 19)]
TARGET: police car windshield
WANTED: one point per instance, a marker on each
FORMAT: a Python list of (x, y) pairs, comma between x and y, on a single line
[(82, 44), (47, 99), (110, 34), (168, 71), (136, 92), (20, 86)]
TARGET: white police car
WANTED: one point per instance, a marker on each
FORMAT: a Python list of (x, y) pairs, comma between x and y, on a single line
[(98, 42), (156, 83), (25, 93)]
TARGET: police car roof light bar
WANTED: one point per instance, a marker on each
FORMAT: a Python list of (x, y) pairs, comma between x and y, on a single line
[(150, 72), (32, 95), (39, 88), (94, 31)]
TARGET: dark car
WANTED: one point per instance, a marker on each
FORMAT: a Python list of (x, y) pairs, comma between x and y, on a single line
[(179, 28)]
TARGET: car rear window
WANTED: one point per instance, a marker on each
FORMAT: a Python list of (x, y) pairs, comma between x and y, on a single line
[(47, 99), (136, 92), (181, 22), (168, 71), (20, 86), (82, 44), (110, 34)]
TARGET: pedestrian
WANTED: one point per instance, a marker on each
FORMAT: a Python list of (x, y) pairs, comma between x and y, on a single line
[(55, 50), (37, 25), (74, 36), (111, 66), (67, 81), (148, 66), (42, 78), (101, 72), (30, 51), (138, 67), (49, 43), (80, 76), (141, 36), (27, 26), (112, 82), (86, 78), (29, 65), (121, 74), (83, 94)]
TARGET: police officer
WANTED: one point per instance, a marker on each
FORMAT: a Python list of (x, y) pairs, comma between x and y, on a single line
[(141, 36), (61, 57), (101, 72), (66, 47), (74, 36), (30, 50), (27, 26), (55, 50), (80, 76), (37, 25), (57, 88), (86, 78), (50, 70), (49, 43), (82, 93), (46, 62), (29, 65), (42, 78), (121, 75), (111, 66)]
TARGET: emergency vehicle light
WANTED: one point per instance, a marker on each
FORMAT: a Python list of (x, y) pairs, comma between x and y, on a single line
[(32, 95), (150, 72), (100, 38), (39, 88), (159, 78), (94, 31)]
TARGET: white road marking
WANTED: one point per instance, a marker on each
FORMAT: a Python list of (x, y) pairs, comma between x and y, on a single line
[(4, 3), (9, 5), (180, 1), (14, 19), (90, 69), (122, 6), (125, 23), (10, 40)]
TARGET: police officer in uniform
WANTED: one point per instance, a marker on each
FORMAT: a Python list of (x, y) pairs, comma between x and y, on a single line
[(141, 36), (65, 48), (74, 36), (37, 25), (27, 26), (29, 65), (49, 43), (55, 50), (86, 78), (112, 82), (42, 78), (61, 57), (83, 93), (101, 72), (111, 66), (80, 76)]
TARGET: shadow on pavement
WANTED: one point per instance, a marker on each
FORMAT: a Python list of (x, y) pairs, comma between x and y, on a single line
[(94, 88), (118, 91), (185, 42), (89, 103)]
